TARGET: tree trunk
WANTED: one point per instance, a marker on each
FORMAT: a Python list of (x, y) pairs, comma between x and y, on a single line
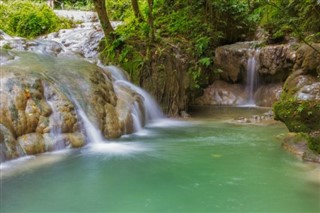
[(100, 6), (135, 6), (150, 20)]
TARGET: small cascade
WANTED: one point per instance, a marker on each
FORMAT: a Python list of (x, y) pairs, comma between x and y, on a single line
[(153, 111), (252, 77), (136, 117), (92, 132), (55, 121), (116, 72)]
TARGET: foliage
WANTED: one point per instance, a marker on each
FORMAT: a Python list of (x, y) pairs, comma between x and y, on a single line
[(119, 10), (85, 5), (291, 17), (299, 116), (29, 19), (199, 26), (194, 26), (314, 143), (75, 4), (120, 51)]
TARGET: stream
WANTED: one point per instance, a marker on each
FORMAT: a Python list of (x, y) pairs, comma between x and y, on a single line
[(207, 164)]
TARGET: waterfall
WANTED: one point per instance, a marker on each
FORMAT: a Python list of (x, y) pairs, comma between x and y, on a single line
[(136, 117), (55, 121), (153, 111), (116, 72), (252, 77)]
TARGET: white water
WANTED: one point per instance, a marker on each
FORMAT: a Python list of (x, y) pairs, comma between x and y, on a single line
[(153, 111), (94, 136), (136, 117), (55, 122), (115, 149), (252, 77), (116, 72)]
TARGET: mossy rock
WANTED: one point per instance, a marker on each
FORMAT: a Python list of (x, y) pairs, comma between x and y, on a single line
[(314, 141), (299, 116)]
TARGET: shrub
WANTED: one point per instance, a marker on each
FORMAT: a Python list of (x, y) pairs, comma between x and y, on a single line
[(29, 19)]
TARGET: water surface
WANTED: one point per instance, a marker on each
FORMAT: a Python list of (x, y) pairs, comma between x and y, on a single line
[(205, 165)]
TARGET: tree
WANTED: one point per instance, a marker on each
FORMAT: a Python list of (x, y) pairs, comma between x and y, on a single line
[(135, 6), (150, 20), (100, 6)]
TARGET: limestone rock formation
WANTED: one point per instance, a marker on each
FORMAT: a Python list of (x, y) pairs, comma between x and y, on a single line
[(168, 80), (299, 106), (46, 103), (273, 64), (222, 93)]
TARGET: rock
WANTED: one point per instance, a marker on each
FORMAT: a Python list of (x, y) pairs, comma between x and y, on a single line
[(267, 94), (8, 144), (184, 114), (222, 93), (274, 62), (82, 41), (264, 119), (299, 105), (127, 98), (308, 60), (112, 127), (169, 80), (297, 144), (5, 56), (45, 101), (232, 59), (32, 143), (40, 46)]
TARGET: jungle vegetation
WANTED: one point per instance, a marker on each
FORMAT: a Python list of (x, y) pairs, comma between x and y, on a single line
[(194, 26)]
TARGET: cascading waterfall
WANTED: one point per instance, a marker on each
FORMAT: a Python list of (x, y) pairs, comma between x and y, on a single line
[(153, 111), (74, 105), (136, 117), (252, 77), (56, 123), (93, 135), (116, 72)]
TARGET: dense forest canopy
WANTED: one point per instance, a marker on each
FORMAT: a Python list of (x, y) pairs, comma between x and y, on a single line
[(196, 26)]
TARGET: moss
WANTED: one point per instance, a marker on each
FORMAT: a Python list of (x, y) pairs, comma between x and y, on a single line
[(314, 142), (299, 116)]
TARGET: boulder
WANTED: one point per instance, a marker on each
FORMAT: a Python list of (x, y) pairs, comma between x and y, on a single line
[(267, 94), (299, 105), (274, 62), (222, 93), (232, 59)]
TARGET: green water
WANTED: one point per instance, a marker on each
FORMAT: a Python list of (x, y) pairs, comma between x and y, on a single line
[(207, 165)]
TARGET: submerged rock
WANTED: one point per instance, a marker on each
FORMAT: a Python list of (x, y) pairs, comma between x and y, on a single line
[(298, 145)]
